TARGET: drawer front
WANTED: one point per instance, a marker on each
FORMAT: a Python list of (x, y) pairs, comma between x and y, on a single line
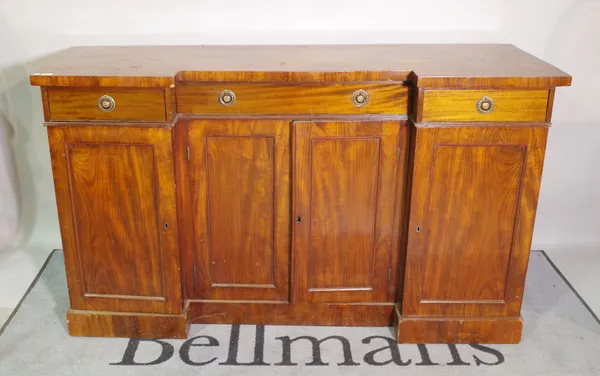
[(127, 104), (292, 99), (466, 105)]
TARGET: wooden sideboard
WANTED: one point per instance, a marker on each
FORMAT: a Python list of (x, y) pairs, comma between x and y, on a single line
[(317, 185)]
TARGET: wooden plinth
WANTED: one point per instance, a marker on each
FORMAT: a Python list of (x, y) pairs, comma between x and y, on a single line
[(260, 313), (495, 330), (126, 325)]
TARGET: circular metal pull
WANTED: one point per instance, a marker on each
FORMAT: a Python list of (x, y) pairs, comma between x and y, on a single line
[(360, 98), (485, 105), (106, 103), (227, 98)]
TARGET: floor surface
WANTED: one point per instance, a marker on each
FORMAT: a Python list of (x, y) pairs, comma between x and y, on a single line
[(581, 267), (560, 338), (19, 267)]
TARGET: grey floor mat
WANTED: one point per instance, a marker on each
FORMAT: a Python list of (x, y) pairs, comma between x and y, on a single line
[(561, 337)]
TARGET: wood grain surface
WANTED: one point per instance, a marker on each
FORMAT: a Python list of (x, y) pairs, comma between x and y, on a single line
[(473, 201), (240, 189), (130, 104), (551, 93), (505, 330), (122, 178), (241, 183), (126, 325), (343, 189), (294, 205), (116, 203), (292, 99), (461, 105), (184, 207), (477, 208), (426, 65), (401, 211), (270, 313), (345, 175)]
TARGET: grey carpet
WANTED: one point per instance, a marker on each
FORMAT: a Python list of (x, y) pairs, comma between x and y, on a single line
[(561, 337)]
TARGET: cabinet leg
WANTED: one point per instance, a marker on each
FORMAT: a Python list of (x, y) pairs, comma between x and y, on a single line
[(127, 325)]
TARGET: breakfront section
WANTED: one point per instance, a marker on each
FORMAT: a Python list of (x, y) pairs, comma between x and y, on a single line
[(293, 218), (115, 191), (475, 195), (299, 185), (474, 191)]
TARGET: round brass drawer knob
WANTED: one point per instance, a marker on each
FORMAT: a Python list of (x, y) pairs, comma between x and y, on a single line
[(360, 98), (227, 98), (485, 105), (106, 103)]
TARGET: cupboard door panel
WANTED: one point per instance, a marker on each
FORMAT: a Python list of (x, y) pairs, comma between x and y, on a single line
[(473, 200), (116, 199), (345, 175), (477, 209), (239, 174), (240, 177), (343, 209), (107, 218)]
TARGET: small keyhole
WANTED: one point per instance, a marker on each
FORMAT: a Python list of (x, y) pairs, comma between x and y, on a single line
[(298, 219), (418, 228), (166, 226)]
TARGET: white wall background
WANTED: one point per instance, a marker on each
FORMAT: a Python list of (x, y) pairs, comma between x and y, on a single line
[(565, 33)]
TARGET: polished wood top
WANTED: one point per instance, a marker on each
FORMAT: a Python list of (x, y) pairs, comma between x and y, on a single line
[(426, 65)]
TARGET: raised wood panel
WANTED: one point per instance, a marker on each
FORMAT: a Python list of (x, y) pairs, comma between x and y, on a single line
[(130, 104), (345, 174), (343, 207), (115, 208), (240, 189), (240, 182), (461, 105), (473, 201), (116, 203), (475, 211), (292, 98)]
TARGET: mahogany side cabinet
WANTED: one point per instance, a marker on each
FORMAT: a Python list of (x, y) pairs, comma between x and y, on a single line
[(367, 185)]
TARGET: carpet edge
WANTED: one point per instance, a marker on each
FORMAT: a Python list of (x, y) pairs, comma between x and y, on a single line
[(31, 285)]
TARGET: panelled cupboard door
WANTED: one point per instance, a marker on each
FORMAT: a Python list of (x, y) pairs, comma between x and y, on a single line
[(344, 194), (240, 189), (115, 191), (474, 197)]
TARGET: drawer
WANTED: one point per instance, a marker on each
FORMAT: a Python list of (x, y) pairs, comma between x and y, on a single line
[(484, 105), (223, 98), (120, 104)]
